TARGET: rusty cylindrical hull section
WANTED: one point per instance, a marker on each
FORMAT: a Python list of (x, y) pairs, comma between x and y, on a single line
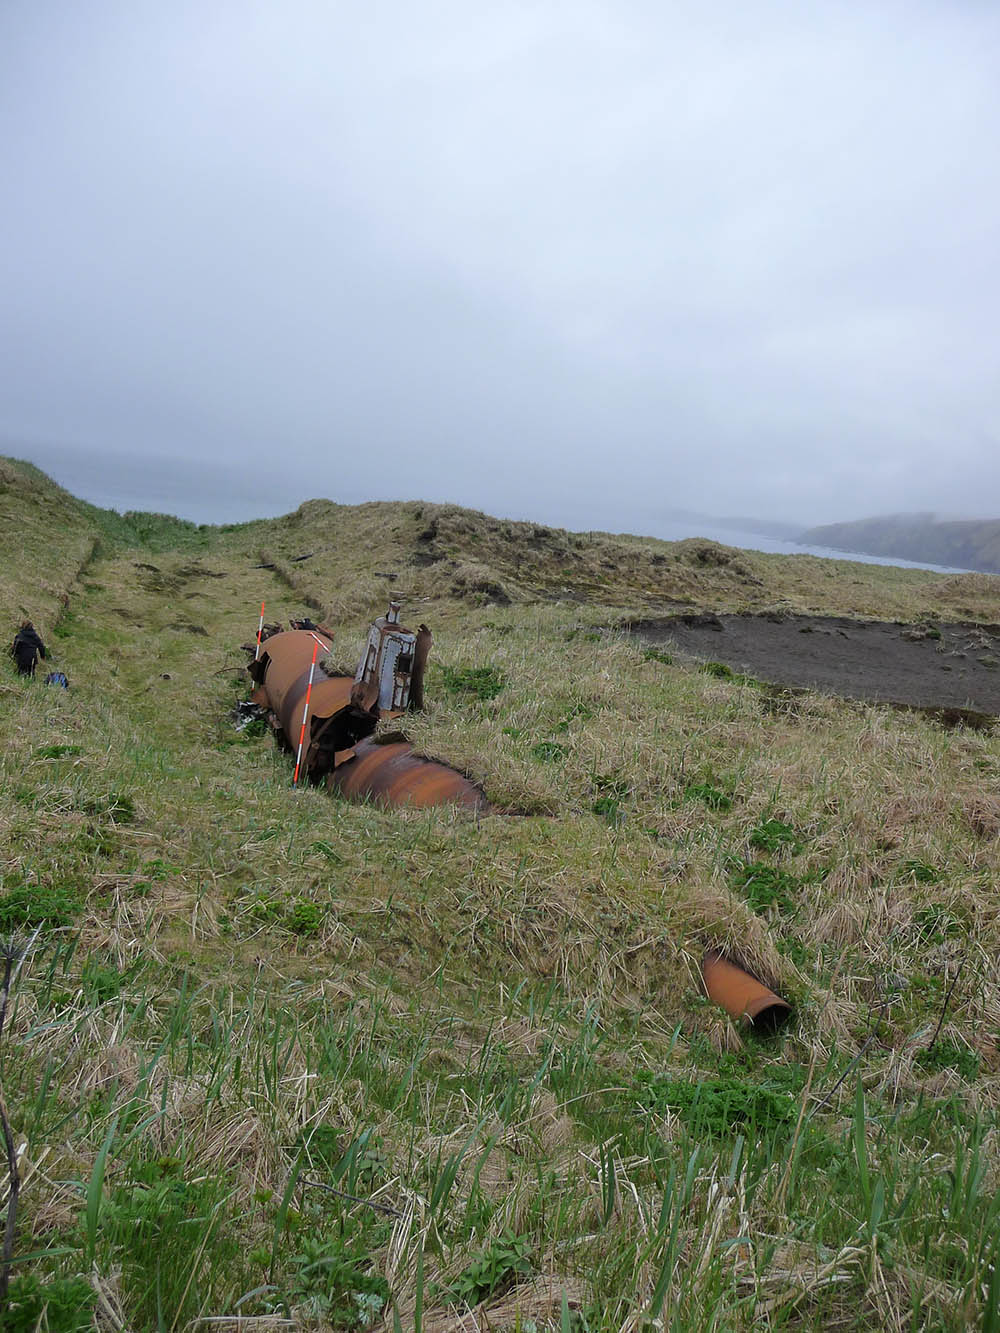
[(337, 717), (741, 995), (393, 775), (338, 727)]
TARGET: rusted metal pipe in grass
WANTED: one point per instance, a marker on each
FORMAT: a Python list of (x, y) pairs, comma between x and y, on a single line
[(331, 719), (741, 995), (389, 773)]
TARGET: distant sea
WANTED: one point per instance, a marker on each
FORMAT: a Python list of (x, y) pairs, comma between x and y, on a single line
[(754, 541), (205, 491)]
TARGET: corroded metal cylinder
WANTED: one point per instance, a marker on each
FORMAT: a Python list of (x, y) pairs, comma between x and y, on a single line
[(342, 715), (392, 774), (340, 712), (741, 995)]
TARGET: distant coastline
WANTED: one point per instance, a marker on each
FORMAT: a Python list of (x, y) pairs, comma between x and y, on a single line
[(970, 544), (205, 492)]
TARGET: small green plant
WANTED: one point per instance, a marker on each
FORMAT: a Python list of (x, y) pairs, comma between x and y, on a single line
[(614, 791), (658, 655), (305, 917), (609, 808), (323, 1147), (335, 1282), (713, 798), (717, 1106), (100, 983), (765, 887), (936, 924), (115, 805), (770, 834), (550, 752), (578, 712), (945, 1054), (261, 905), (30, 905), (327, 850), (719, 670), (483, 682), (57, 751), (257, 727), (919, 871), (494, 1269), (58, 1305)]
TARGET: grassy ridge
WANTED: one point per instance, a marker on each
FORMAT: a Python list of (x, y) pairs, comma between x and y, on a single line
[(961, 543), (243, 999)]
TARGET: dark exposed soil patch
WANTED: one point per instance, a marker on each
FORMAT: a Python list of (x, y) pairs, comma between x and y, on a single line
[(938, 667)]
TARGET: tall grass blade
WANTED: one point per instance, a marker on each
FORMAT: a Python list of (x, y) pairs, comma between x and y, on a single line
[(95, 1191), (282, 1214)]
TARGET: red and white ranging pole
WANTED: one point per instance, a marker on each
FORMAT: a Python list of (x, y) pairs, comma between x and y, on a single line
[(260, 631), (305, 710)]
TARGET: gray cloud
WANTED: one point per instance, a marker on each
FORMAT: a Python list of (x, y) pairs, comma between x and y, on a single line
[(595, 256)]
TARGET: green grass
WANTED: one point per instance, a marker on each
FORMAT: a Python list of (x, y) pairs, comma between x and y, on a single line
[(280, 1056), (765, 886), (483, 682)]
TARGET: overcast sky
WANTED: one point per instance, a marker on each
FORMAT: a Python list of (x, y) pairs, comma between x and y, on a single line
[(541, 258)]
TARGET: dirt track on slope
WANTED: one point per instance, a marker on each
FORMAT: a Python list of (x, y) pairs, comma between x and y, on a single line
[(945, 667)]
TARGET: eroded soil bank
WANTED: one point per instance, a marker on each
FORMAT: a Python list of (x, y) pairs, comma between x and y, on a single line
[(939, 667)]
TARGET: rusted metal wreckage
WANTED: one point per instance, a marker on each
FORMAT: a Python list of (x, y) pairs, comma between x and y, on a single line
[(343, 752), (344, 711), (743, 997)]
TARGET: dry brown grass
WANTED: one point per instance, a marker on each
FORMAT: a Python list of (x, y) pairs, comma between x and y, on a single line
[(505, 978)]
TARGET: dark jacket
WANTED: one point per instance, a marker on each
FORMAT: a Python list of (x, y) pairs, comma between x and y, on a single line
[(25, 650)]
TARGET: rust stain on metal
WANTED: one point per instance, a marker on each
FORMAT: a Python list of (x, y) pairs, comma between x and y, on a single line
[(741, 995), (344, 712)]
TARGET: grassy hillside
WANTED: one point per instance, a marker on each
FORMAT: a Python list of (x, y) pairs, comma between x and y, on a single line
[(321, 1065), (963, 544)]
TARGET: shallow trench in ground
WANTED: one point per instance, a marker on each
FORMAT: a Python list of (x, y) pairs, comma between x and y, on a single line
[(941, 667)]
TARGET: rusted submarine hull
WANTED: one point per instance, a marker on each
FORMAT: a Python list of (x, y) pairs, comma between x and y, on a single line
[(338, 715), (343, 714), (391, 774), (343, 752)]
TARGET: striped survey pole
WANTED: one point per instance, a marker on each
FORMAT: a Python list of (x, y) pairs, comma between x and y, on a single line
[(260, 631), (305, 710)]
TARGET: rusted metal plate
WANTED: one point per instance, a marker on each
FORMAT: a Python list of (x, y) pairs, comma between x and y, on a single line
[(393, 775), (330, 694), (741, 995)]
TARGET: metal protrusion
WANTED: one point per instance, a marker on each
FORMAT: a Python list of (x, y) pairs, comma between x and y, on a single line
[(741, 995), (388, 660), (420, 653)]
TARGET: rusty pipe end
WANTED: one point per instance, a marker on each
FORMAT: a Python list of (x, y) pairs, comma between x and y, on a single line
[(742, 996)]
